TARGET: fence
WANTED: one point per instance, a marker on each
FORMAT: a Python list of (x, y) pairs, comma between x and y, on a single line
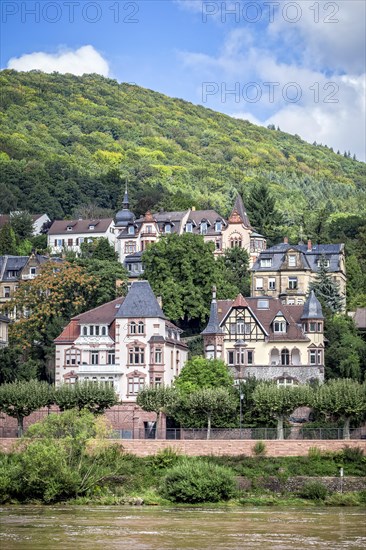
[(290, 433)]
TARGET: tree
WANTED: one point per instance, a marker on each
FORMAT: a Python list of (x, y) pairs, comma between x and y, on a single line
[(22, 224), (8, 241), (156, 399), (98, 249), (19, 399), (200, 372), (236, 262), (326, 290), (345, 353), (342, 399), (279, 401), (262, 211), (110, 280), (182, 269), (13, 367), (94, 397), (212, 402)]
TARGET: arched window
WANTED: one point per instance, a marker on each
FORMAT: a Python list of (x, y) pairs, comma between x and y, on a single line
[(85, 331), (133, 327), (104, 331), (285, 357), (72, 356), (235, 242), (141, 327)]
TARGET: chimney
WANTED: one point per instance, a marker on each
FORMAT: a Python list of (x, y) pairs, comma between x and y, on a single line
[(310, 246), (285, 240), (160, 301)]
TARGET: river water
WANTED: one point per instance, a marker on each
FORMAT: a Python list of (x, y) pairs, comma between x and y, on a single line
[(150, 528)]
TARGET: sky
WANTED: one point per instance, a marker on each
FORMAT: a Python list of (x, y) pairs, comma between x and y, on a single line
[(297, 65)]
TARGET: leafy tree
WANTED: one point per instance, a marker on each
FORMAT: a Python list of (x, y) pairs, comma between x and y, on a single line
[(356, 283), (8, 242), (110, 280), (212, 402), (279, 401), (343, 399), (95, 398), (13, 367), (345, 353), (22, 224), (19, 399), (236, 262), (200, 372), (182, 269), (326, 289), (98, 249), (156, 399)]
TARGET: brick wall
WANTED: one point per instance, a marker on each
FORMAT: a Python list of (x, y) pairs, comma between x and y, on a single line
[(147, 447)]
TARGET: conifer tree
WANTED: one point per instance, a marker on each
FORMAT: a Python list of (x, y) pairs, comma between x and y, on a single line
[(326, 289), (262, 211), (8, 242)]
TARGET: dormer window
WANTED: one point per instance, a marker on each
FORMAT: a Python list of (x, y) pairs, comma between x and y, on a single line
[(203, 228), (323, 261), (266, 262), (131, 230), (279, 326), (218, 226), (292, 260), (189, 227), (91, 227), (69, 228)]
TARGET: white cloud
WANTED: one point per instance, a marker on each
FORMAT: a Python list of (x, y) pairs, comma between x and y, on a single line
[(78, 62)]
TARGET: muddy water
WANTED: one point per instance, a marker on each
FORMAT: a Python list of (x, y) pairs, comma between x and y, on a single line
[(93, 528)]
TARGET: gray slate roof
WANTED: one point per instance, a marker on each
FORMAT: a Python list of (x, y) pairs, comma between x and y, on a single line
[(213, 325), (11, 263), (309, 258), (140, 302), (312, 308)]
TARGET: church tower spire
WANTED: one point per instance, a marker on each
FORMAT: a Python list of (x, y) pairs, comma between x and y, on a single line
[(213, 334)]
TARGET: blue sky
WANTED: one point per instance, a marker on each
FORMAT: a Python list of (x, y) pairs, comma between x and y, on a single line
[(299, 65)]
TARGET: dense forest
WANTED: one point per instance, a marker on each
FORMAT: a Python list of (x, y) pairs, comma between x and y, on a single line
[(69, 141)]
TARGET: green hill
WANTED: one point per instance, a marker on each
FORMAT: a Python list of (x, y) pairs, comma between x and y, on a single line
[(68, 141)]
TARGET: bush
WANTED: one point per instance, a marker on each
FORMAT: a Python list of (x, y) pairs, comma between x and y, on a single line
[(259, 449), (314, 490), (194, 481), (167, 458), (352, 454), (344, 499)]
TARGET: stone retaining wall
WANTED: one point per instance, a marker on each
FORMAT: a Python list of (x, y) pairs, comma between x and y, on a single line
[(294, 484), (147, 447)]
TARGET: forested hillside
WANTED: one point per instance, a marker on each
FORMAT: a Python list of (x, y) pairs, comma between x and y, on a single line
[(68, 141)]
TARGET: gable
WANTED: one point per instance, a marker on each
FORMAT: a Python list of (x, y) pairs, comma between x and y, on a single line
[(241, 323)]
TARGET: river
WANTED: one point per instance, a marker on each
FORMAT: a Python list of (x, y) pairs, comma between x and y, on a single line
[(158, 528)]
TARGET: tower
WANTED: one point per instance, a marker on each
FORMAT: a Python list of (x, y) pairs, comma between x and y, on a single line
[(213, 334)]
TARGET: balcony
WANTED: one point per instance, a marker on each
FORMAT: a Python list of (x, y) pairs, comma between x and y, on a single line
[(28, 277), (100, 369)]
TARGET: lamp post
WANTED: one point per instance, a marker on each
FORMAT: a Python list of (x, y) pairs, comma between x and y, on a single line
[(241, 410)]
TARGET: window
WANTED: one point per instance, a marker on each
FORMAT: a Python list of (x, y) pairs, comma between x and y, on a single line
[(168, 228), (203, 228), (141, 327), (325, 263), (136, 356), (259, 283), (286, 382), (158, 355), (312, 326), (69, 228), (320, 356), (230, 358), (85, 331), (91, 227), (131, 230), (32, 270), (111, 358), (218, 226), (320, 328), (6, 291), (285, 357), (91, 330), (189, 227), (94, 356), (130, 247), (266, 262), (70, 242), (135, 384), (263, 304), (218, 245), (312, 356), (72, 356), (291, 260), (292, 283), (290, 302), (97, 330), (157, 381), (300, 301), (149, 229), (133, 327), (250, 357), (235, 242), (104, 331), (242, 328), (279, 326), (271, 283)]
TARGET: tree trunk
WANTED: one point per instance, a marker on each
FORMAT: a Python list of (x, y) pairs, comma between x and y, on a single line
[(346, 433), (158, 414), (208, 426), (280, 427), (20, 426)]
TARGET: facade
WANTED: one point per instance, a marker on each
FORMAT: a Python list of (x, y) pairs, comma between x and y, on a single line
[(263, 338), (14, 269), (135, 235), (69, 234), (285, 271), (4, 321), (127, 343)]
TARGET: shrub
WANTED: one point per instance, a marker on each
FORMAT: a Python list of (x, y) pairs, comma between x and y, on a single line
[(167, 458), (352, 454), (344, 499), (314, 490), (314, 453), (194, 481), (259, 449)]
